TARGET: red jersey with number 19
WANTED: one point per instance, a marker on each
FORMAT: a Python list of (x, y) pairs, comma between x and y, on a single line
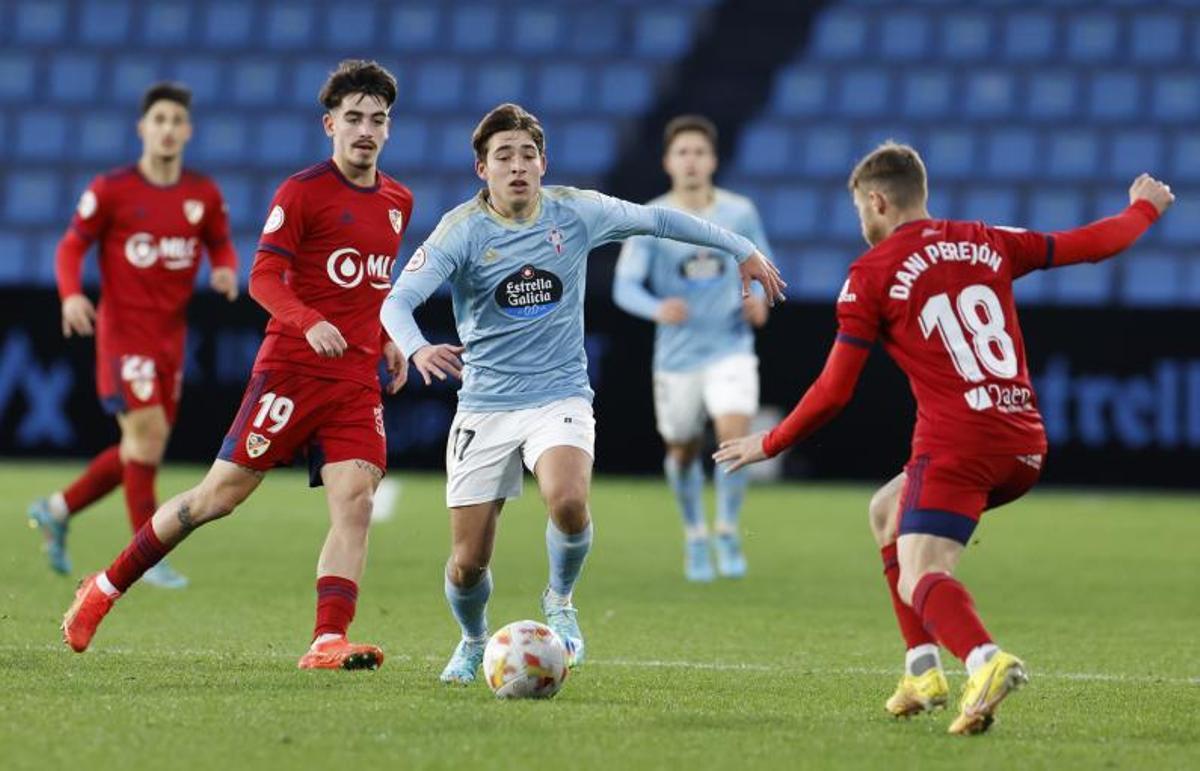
[(938, 294)]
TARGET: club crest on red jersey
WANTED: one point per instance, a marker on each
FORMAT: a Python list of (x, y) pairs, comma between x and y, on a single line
[(256, 444), (397, 219), (193, 210), (274, 220), (87, 204)]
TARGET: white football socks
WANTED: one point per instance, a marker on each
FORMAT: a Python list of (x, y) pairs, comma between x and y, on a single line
[(980, 655), (921, 659), (105, 585), (58, 507)]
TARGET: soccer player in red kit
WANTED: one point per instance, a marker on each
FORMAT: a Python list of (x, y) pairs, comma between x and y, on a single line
[(151, 221), (938, 295), (322, 270)]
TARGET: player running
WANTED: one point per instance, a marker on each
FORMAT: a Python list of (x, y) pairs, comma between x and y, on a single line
[(516, 259), (704, 362), (322, 270), (938, 295), (151, 220)]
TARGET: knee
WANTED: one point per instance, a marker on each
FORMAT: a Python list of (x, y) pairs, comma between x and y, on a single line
[(906, 585), (352, 508), (880, 513), (569, 508), (145, 443), (683, 454), (466, 568)]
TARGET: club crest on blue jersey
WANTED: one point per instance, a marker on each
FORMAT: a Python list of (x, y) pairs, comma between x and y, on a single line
[(703, 266), (556, 239), (529, 293)]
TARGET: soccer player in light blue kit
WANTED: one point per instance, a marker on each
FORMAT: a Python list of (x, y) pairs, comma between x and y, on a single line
[(516, 258), (704, 362)]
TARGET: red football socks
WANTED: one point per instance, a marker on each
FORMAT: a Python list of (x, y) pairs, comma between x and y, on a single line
[(102, 475), (142, 553), (336, 600), (911, 628), (946, 607), (139, 493)]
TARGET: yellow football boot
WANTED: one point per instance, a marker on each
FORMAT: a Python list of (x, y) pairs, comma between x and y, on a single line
[(985, 690), (919, 693)]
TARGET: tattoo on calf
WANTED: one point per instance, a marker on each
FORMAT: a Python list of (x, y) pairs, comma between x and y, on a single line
[(184, 514)]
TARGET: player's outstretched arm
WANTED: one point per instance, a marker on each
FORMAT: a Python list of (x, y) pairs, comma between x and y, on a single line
[(78, 313), (1148, 199), (825, 398)]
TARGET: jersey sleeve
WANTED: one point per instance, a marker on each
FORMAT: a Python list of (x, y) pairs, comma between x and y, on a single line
[(629, 283), (858, 310), (1027, 250), (434, 262), (93, 213), (283, 231), (216, 232), (752, 228)]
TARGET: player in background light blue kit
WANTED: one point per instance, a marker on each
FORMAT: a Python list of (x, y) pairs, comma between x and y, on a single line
[(516, 258), (704, 362)]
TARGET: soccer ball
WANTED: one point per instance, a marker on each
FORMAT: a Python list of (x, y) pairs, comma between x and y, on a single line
[(525, 660)]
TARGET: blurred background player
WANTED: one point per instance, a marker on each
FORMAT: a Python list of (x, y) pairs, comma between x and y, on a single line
[(322, 270), (516, 257), (704, 362), (151, 220), (938, 294)]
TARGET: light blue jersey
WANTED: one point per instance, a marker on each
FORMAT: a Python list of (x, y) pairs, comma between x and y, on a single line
[(651, 270), (518, 289)]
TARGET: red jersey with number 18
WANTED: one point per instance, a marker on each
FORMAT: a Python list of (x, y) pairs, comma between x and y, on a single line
[(938, 295)]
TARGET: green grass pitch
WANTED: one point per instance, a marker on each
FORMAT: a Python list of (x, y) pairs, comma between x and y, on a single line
[(789, 668)]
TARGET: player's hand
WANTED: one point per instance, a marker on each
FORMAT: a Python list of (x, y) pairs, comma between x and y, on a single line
[(673, 310), (755, 311), (438, 361), (397, 367), (1147, 188), (224, 281), (741, 452), (759, 268), (78, 316), (326, 340)]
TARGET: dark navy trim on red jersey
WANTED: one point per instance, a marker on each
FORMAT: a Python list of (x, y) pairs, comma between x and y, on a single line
[(121, 172), (842, 337), (275, 250), (113, 405), (947, 524), (312, 172), (1049, 251), (85, 236), (357, 188)]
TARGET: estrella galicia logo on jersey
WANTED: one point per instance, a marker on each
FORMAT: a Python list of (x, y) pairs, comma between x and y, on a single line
[(529, 293), (193, 211), (703, 266), (347, 268), (177, 252)]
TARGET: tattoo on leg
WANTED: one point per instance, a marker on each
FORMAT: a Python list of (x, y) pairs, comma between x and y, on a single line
[(184, 514), (375, 472)]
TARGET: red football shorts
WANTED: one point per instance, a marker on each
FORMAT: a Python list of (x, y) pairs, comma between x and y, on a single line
[(945, 494), (130, 379), (285, 415)]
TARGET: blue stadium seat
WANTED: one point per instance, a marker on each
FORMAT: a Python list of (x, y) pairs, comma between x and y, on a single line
[(474, 28), (967, 36), (877, 133), (290, 26), (1150, 278), (661, 33), (1137, 151), (349, 27), (1053, 95), (595, 31), (307, 79), (104, 22), (799, 91), (13, 255), (587, 146), (203, 76), (991, 204), (74, 78), (538, 30), (828, 152), (626, 89), (1156, 38), (229, 25), (497, 82), (950, 154), (105, 137), (283, 141), (1177, 97), (244, 209), (32, 197), (42, 134), (1085, 284), (439, 85), (1073, 155), (763, 149), (794, 211), (455, 155), (840, 35), (904, 36), (256, 82), (863, 93), (989, 95), (166, 24), (1012, 154), (41, 22), (1055, 210), (131, 76), (1029, 37), (407, 147), (1185, 160), (841, 218), (462, 189), (16, 78), (41, 259), (1183, 225), (561, 88), (428, 206), (1032, 288), (1110, 201), (415, 28), (1115, 96), (1093, 37), (821, 273), (927, 95), (224, 140)]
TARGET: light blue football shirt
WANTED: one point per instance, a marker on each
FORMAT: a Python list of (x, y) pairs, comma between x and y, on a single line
[(518, 289), (651, 270)]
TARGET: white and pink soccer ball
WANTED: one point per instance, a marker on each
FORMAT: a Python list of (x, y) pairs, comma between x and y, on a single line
[(525, 660)]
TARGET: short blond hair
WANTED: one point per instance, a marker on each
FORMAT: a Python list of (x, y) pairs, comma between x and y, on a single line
[(894, 169)]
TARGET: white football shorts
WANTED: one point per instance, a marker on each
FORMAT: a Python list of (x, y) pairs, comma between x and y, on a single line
[(683, 401)]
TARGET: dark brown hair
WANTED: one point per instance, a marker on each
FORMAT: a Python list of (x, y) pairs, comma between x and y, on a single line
[(169, 90), (358, 76), (894, 169), (685, 123), (507, 117)]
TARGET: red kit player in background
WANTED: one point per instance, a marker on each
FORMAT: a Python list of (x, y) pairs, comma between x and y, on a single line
[(938, 295), (150, 220), (322, 269)]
